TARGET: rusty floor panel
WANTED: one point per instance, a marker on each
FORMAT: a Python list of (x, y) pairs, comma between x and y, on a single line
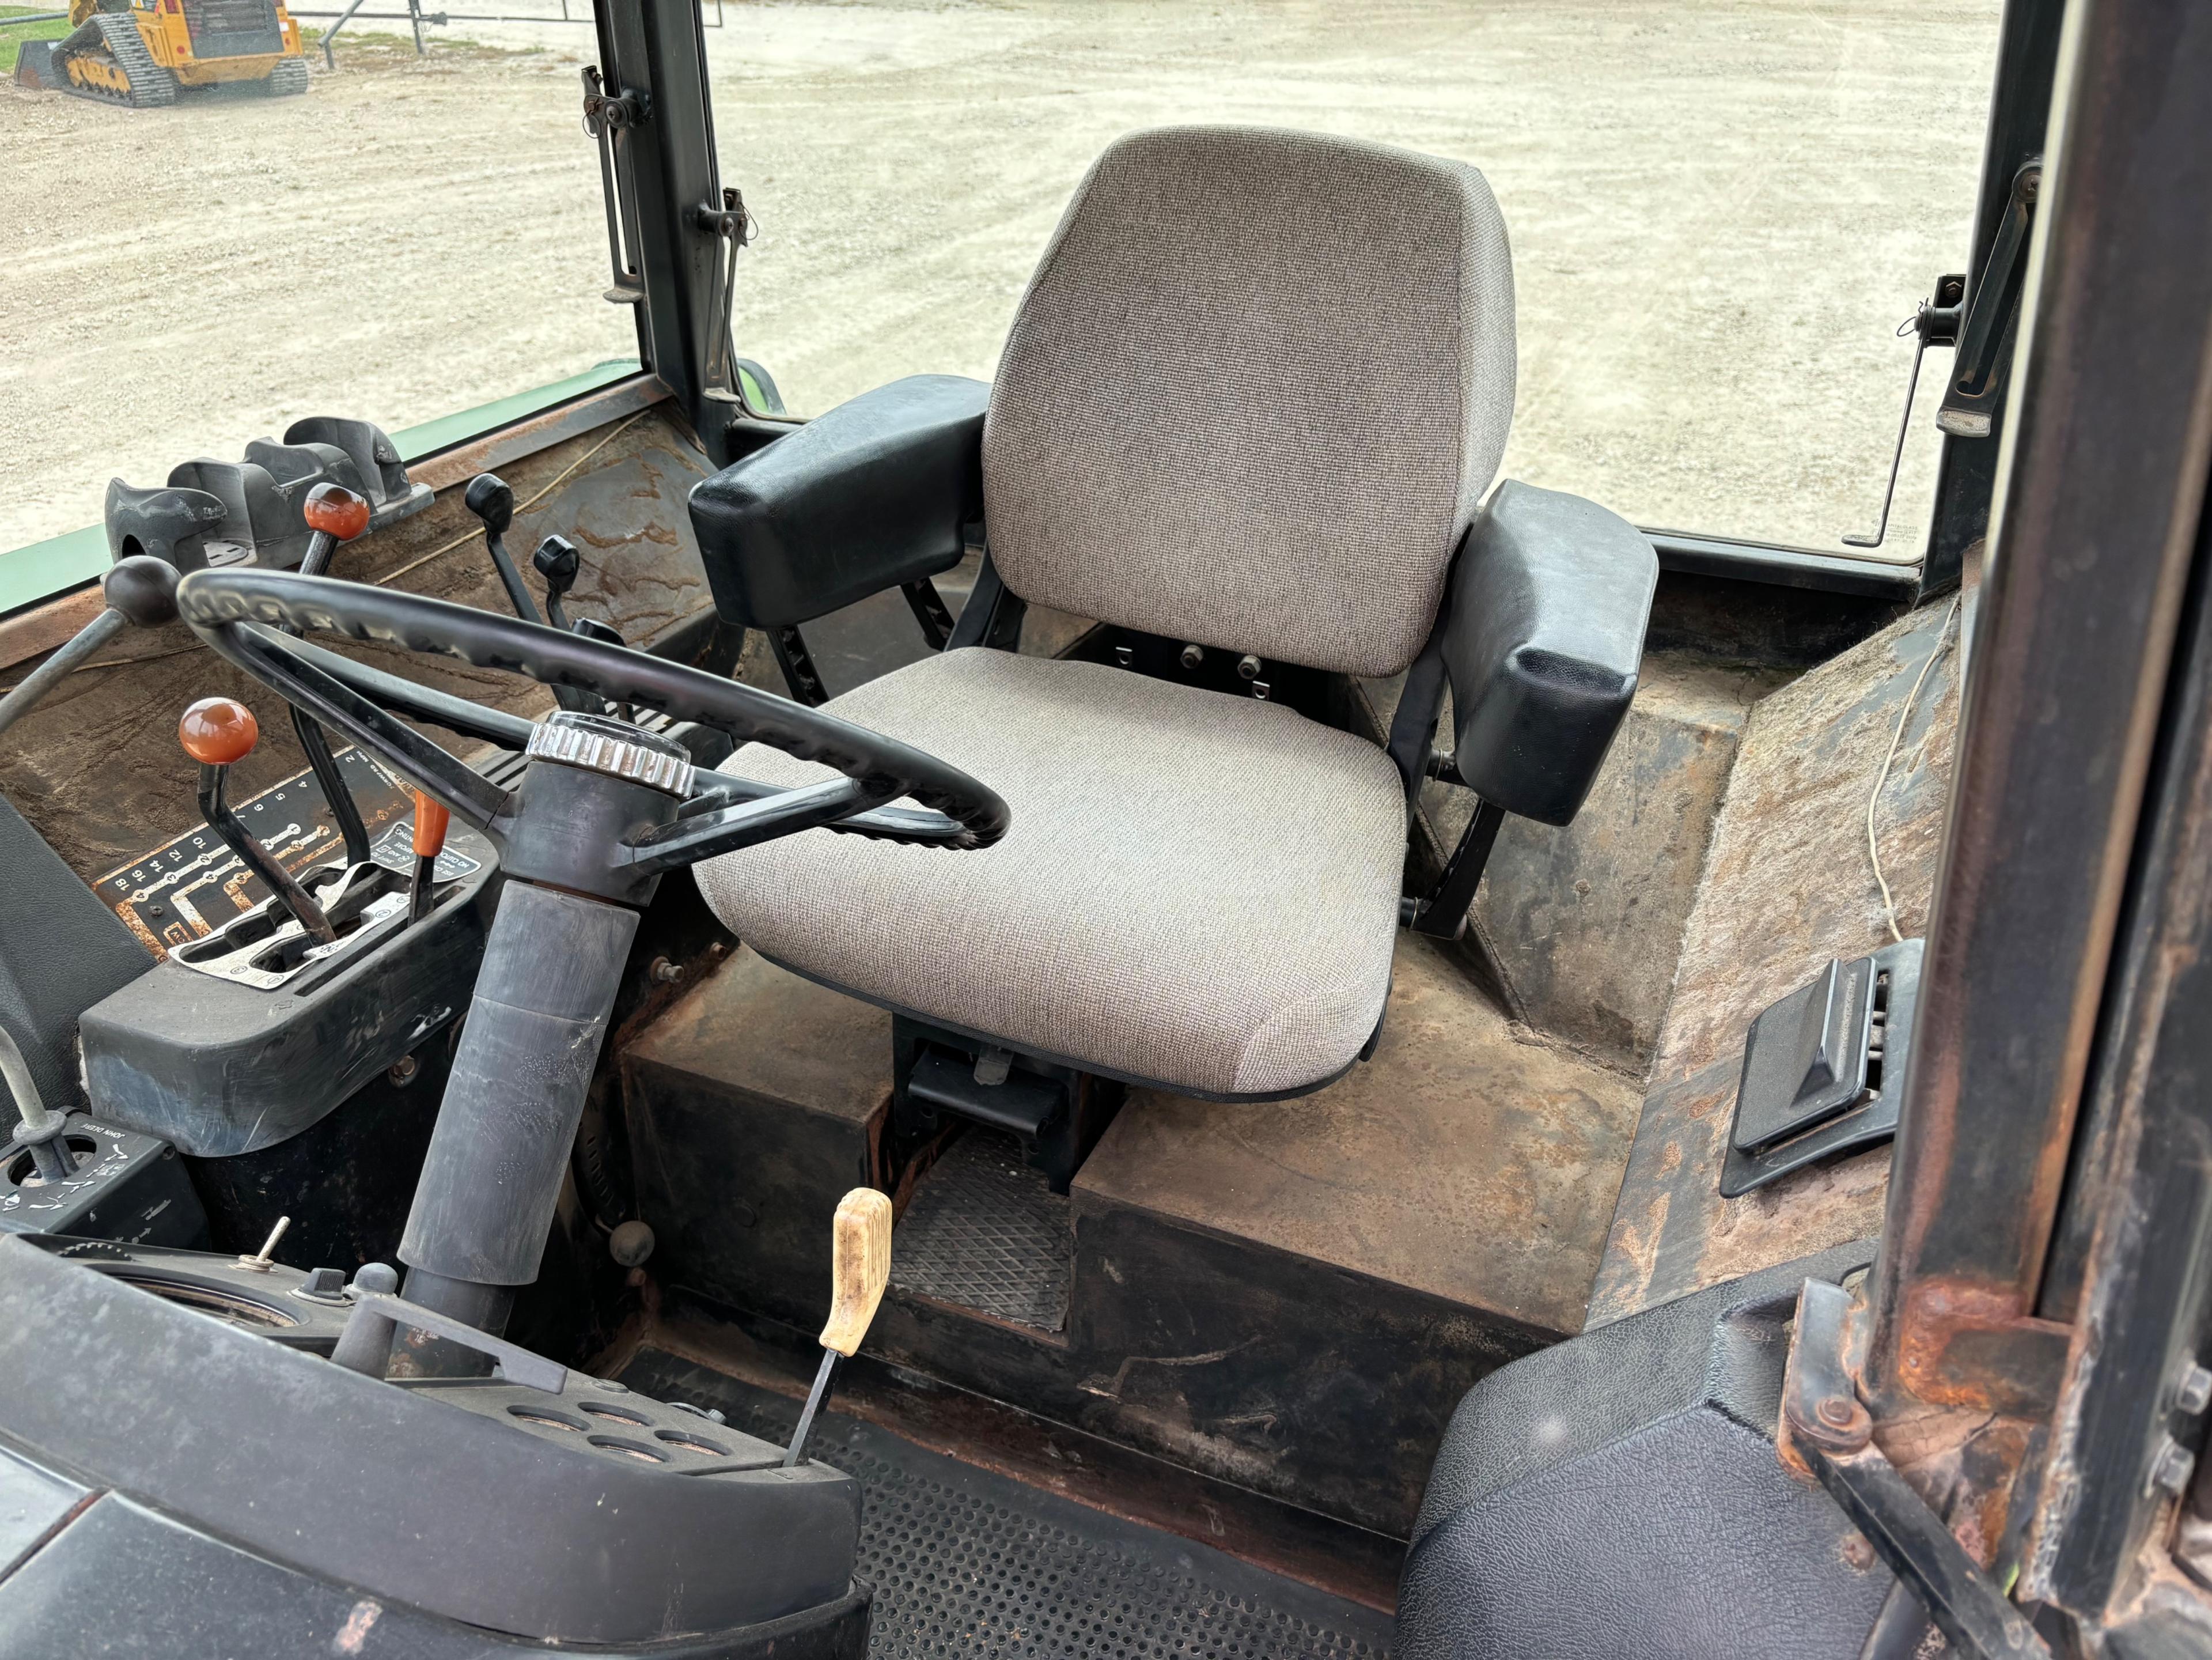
[(1578, 926), (1789, 885), (967, 1560), (1468, 1160), (1289, 1297)]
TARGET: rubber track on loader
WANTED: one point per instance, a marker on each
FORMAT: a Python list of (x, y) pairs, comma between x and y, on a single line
[(151, 86), (289, 79)]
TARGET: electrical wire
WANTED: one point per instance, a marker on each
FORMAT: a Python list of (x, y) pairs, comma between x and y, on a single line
[(1874, 798), (120, 662), (559, 478)]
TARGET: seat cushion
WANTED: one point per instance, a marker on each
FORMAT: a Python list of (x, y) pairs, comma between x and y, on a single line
[(1253, 392), (1198, 890)]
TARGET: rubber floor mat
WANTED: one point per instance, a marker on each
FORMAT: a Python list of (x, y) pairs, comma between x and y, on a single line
[(969, 1563), (988, 1232)]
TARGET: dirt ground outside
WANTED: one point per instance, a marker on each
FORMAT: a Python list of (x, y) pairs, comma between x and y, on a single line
[(1720, 211)]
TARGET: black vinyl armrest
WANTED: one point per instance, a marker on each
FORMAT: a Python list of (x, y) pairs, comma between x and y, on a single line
[(1543, 634), (868, 496)]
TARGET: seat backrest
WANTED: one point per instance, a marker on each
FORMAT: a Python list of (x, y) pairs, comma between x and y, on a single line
[(1253, 394)]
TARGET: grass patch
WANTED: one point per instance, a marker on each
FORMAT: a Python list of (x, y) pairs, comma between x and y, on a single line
[(12, 35), (377, 49)]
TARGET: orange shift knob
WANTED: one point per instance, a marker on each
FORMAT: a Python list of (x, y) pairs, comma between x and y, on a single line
[(217, 731), (430, 820), (335, 511)]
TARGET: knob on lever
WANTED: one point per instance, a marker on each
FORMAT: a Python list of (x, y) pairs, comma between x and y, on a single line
[(218, 733), (492, 499), (557, 561), (431, 819), (860, 1268), (141, 592), (335, 515)]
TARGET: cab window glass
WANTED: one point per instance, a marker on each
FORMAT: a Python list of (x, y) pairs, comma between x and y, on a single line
[(407, 238), (1720, 209)]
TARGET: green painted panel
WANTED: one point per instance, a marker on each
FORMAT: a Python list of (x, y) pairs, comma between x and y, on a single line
[(416, 442), (43, 568)]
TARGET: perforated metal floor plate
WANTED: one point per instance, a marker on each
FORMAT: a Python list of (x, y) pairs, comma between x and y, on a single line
[(986, 1231), (969, 1563)]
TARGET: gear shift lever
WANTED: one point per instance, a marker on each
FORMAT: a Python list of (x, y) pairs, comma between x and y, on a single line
[(431, 820), (335, 515), (218, 733)]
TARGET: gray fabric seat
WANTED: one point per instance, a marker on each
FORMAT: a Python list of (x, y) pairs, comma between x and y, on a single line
[(1251, 398), (1197, 890)]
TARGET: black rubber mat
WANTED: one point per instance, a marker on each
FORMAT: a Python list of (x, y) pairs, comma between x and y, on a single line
[(966, 1562), (988, 1232)]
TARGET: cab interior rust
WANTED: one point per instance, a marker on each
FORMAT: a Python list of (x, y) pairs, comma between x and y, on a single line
[(1493, 1083)]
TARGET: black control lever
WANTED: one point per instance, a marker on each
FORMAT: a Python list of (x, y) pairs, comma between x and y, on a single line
[(141, 592), (557, 561), (490, 499), (590, 628), (334, 514), (218, 733), (1936, 323)]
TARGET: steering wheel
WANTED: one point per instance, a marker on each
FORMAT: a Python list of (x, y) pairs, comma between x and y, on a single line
[(238, 612)]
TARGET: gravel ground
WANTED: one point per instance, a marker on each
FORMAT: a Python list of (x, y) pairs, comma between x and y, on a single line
[(1720, 211)]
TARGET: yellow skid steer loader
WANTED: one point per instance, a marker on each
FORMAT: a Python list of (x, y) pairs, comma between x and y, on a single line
[(140, 52)]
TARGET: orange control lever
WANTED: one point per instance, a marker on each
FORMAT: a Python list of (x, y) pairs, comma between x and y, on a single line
[(335, 511), (431, 819), (217, 731)]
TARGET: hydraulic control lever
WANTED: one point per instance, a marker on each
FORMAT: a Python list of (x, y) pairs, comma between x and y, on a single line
[(860, 1268), (431, 819), (141, 592), (559, 563), (334, 514), (218, 733), (490, 497)]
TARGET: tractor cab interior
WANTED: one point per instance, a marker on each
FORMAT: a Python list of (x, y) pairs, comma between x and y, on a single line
[(1140, 1008)]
